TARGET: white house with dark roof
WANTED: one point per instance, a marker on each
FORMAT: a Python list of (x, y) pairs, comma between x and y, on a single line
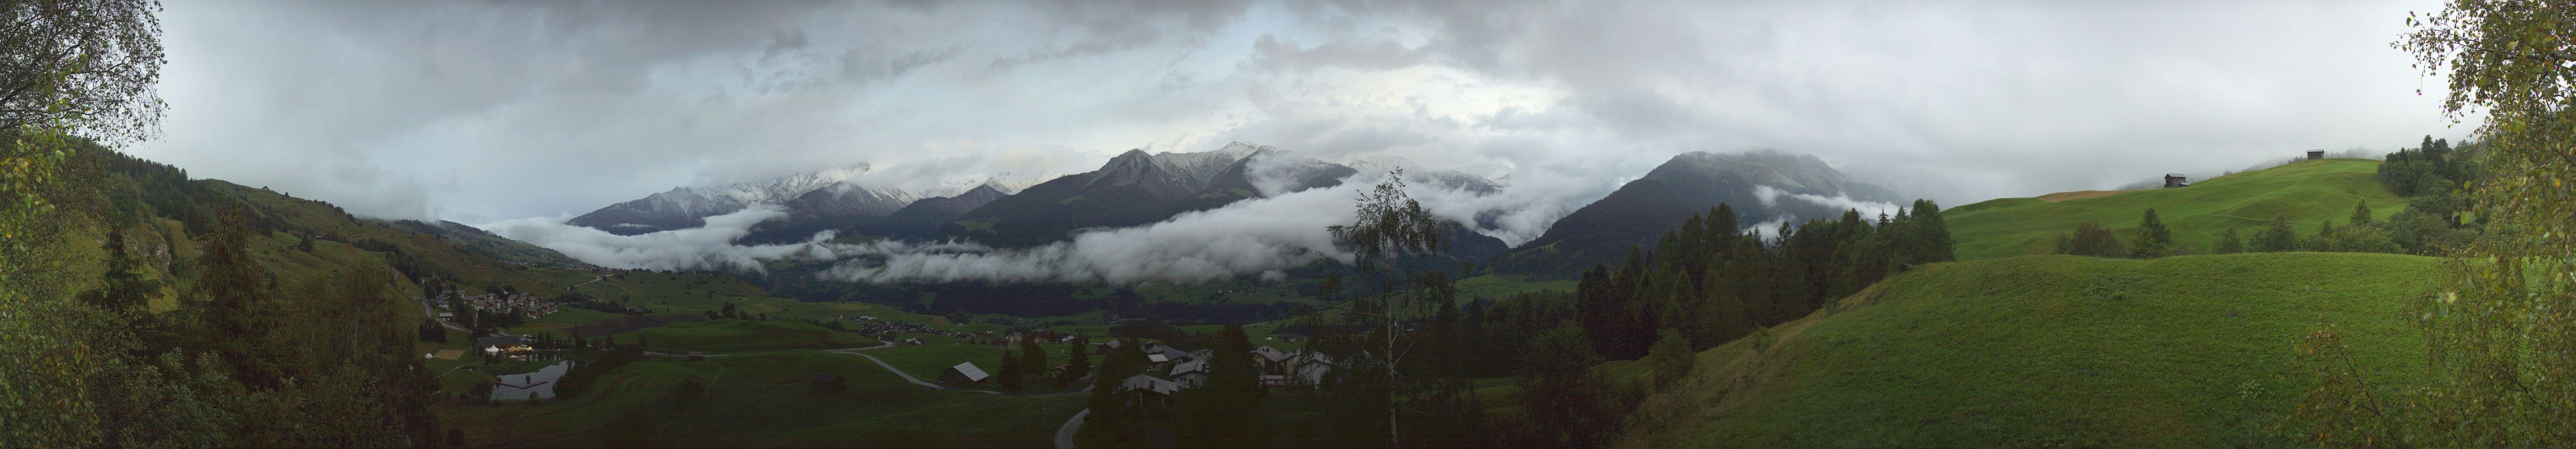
[(1190, 374)]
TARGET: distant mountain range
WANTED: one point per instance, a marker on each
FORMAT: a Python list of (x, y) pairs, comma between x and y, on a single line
[(688, 207), (1137, 188)]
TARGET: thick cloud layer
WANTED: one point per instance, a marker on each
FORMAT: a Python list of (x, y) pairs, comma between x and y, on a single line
[(709, 247), (1261, 235), (461, 109)]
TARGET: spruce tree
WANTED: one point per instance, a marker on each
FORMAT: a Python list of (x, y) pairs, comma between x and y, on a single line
[(1560, 392), (2153, 239), (1033, 358), (2276, 238), (2360, 213), (1077, 360), (1011, 373), (2228, 243), (1226, 411)]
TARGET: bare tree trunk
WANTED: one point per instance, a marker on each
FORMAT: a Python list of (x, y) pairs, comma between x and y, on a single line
[(1394, 434)]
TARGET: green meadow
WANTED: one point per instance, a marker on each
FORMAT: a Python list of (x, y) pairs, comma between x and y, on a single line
[(2049, 351), (2306, 192)]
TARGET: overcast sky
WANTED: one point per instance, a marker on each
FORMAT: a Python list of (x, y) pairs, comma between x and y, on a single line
[(481, 111)]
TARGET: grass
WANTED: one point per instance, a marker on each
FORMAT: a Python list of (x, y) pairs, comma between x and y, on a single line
[(2307, 191), (764, 400), (2047, 351), (927, 362), (725, 336)]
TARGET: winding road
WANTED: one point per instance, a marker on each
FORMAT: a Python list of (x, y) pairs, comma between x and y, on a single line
[(1064, 435)]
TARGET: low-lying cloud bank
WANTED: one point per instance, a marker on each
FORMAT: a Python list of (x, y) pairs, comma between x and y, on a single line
[(1259, 236), (709, 247), (1771, 199)]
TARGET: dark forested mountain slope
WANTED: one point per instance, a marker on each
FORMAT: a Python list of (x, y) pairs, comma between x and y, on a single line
[(1689, 183)]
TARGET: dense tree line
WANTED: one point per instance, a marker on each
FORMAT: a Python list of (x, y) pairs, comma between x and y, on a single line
[(1711, 281)]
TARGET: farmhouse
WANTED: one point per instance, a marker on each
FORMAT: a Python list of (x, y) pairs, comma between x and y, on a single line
[(963, 373), (1148, 389), (1191, 374), (1269, 357)]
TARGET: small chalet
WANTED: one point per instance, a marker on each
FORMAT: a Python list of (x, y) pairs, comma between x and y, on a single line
[(2173, 180), (963, 373), (2316, 154)]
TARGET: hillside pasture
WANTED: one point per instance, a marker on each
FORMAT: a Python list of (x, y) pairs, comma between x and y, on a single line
[(2307, 192), (2050, 351)]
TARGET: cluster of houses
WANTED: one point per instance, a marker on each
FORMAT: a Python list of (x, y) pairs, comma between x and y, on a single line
[(505, 346), (1170, 370), (870, 325), (521, 303)]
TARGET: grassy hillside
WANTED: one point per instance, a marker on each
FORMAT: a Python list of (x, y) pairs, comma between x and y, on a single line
[(732, 335), (2307, 191), (765, 400), (2048, 351)]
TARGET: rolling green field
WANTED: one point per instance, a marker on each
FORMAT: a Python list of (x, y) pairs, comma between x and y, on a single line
[(2050, 351), (1504, 286), (724, 336), (2307, 191), (766, 400)]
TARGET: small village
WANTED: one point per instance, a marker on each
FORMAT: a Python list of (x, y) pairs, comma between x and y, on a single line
[(523, 304)]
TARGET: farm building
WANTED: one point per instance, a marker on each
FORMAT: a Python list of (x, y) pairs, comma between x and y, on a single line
[(2316, 154), (2173, 180), (963, 373), (827, 383)]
